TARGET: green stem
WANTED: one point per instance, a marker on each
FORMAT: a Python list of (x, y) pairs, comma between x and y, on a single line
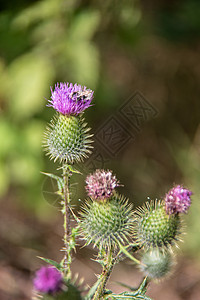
[(105, 275), (67, 228)]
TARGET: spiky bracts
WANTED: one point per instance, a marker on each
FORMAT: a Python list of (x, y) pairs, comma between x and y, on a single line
[(67, 139), (177, 200), (69, 99), (156, 263), (105, 223), (154, 228), (101, 184)]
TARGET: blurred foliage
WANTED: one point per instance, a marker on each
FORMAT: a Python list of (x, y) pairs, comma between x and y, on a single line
[(114, 47), (41, 43)]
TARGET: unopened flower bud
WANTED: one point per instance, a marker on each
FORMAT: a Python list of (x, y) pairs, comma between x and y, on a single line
[(156, 264), (104, 223), (154, 228)]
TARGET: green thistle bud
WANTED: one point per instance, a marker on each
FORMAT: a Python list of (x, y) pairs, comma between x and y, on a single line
[(67, 138), (156, 264), (154, 228), (106, 222)]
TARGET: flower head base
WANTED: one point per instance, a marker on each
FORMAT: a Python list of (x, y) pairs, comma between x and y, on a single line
[(67, 139), (69, 99), (101, 184), (48, 280), (177, 200)]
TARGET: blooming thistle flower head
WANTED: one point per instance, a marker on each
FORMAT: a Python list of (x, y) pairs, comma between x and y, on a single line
[(177, 200), (48, 280), (101, 184), (69, 99)]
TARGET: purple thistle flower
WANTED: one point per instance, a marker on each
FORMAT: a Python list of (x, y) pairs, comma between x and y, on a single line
[(101, 184), (177, 200), (48, 280), (69, 99)]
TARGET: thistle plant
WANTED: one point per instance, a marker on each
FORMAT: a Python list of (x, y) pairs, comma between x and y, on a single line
[(107, 219)]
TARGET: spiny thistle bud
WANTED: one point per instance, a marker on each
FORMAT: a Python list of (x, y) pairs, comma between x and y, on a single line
[(177, 200), (48, 280), (154, 228), (69, 99), (67, 139), (156, 264), (101, 184), (106, 222)]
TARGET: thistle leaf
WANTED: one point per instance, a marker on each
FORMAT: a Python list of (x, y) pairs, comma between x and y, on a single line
[(73, 170), (92, 290), (60, 181), (52, 262), (123, 250)]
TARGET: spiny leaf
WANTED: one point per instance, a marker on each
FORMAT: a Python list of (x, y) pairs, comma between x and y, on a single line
[(138, 293), (123, 250), (52, 262), (73, 170), (92, 290), (127, 296), (60, 181)]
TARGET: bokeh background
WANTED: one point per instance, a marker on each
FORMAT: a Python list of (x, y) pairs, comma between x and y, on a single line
[(142, 51)]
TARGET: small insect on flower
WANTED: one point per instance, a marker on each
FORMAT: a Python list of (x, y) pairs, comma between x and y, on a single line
[(84, 96)]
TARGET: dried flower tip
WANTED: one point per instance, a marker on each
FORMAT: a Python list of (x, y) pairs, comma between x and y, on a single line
[(177, 200), (48, 280), (101, 184), (69, 99)]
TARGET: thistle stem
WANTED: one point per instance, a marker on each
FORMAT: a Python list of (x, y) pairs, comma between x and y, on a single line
[(67, 228), (105, 275)]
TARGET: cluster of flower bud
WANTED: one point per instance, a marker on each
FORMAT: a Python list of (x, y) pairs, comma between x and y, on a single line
[(158, 227)]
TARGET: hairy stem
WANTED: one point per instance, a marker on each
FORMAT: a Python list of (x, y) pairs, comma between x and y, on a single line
[(67, 228), (105, 275)]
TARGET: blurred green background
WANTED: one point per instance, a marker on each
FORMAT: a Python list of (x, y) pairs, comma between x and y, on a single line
[(115, 48)]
